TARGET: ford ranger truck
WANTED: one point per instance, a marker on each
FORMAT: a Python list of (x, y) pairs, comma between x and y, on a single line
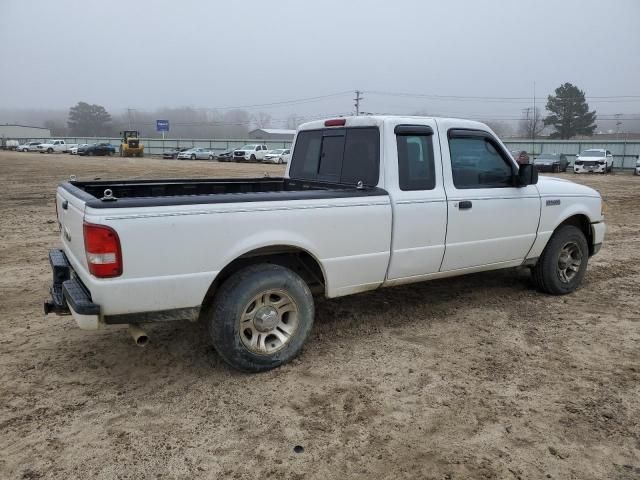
[(366, 202)]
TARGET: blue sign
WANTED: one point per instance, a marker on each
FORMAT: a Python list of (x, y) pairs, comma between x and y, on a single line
[(162, 125)]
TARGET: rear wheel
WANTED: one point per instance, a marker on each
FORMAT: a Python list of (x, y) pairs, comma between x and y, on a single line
[(563, 263), (261, 317)]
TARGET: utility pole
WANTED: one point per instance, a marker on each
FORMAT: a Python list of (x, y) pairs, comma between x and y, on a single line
[(618, 123), (357, 100)]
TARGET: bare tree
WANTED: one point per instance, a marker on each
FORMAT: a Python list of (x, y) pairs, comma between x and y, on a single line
[(502, 129), (532, 124), (294, 121), (262, 120)]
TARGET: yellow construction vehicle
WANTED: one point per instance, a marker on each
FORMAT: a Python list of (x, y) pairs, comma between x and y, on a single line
[(131, 145)]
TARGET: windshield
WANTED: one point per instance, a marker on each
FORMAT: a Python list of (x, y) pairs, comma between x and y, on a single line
[(592, 153), (547, 156), (248, 147), (277, 152)]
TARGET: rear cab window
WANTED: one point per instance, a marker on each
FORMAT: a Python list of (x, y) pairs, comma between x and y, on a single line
[(339, 155)]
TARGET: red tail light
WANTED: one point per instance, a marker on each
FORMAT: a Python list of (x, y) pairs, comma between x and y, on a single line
[(336, 122), (102, 245)]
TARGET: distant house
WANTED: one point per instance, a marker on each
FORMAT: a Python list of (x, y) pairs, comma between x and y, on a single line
[(272, 134), (17, 132)]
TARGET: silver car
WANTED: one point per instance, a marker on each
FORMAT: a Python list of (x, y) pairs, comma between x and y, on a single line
[(197, 154), (28, 147), (279, 155)]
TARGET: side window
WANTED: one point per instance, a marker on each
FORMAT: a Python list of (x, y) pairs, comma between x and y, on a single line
[(416, 168), (477, 163)]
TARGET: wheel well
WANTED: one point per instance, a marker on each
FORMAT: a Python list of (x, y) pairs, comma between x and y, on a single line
[(582, 222), (294, 258)]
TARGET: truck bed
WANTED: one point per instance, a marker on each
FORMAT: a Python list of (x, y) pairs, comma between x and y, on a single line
[(147, 193)]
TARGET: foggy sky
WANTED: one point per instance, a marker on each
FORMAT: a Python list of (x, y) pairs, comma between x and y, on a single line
[(151, 54)]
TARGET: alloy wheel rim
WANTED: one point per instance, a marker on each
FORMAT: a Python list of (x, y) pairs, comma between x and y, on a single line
[(569, 262), (268, 322)]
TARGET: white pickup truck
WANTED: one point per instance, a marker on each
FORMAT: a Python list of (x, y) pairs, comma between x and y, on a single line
[(366, 202), (54, 146)]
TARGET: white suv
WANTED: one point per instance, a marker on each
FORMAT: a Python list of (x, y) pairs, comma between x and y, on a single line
[(595, 160), (250, 152)]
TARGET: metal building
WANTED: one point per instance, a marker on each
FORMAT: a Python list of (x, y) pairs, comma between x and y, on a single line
[(20, 132), (272, 134)]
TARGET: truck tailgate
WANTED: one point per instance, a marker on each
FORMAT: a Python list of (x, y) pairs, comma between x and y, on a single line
[(71, 217)]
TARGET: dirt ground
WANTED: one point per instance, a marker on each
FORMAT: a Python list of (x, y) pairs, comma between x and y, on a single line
[(472, 377)]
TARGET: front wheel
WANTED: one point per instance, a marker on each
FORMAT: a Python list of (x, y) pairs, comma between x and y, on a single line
[(563, 263), (50, 150), (252, 158), (261, 317), (193, 157)]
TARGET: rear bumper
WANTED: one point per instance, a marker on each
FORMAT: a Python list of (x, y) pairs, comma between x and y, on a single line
[(69, 295)]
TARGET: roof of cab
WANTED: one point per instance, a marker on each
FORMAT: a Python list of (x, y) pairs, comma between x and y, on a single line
[(379, 120)]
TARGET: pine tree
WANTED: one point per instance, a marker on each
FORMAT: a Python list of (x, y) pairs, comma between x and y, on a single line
[(570, 114)]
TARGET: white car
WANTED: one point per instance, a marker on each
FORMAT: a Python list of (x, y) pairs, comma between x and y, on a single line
[(196, 154), (280, 155), (74, 150), (594, 160), (28, 147), (252, 153), (636, 171), (366, 202)]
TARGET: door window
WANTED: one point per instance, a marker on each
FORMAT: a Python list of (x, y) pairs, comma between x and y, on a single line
[(416, 168), (476, 162)]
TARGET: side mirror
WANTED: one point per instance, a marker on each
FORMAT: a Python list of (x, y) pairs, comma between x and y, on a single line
[(527, 175)]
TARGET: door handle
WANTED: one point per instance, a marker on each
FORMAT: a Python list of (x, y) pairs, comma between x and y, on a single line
[(465, 205)]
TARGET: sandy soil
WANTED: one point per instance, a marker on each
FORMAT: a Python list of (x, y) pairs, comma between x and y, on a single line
[(473, 377)]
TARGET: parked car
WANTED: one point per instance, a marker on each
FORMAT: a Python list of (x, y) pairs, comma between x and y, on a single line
[(28, 147), (58, 146), (226, 156), (551, 162), (445, 190), (97, 149), (636, 171), (594, 160), (196, 153), (275, 156), (253, 153), (174, 152), (74, 150), (520, 156)]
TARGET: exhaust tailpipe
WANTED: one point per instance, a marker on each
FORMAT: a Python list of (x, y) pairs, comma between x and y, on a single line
[(139, 336)]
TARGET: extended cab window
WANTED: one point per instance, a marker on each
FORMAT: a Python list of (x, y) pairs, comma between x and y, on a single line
[(416, 168), (476, 162), (342, 155)]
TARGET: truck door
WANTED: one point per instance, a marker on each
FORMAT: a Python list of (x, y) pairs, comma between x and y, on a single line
[(419, 202), (490, 220)]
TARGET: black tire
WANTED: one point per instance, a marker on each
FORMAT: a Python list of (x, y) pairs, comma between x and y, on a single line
[(555, 169), (193, 157), (546, 274), (235, 295), (252, 158)]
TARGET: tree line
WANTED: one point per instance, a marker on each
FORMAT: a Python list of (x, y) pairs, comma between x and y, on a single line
[(568, 116)]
